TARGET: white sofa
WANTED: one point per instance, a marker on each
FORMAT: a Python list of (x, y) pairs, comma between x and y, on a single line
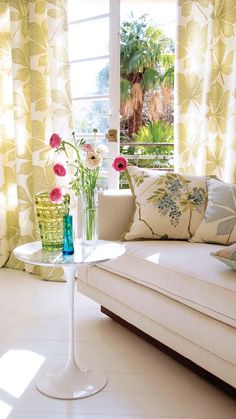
[(173, 291)]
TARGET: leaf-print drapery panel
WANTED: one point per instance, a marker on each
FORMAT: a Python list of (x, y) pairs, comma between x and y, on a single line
[(34, 102), (205, 118)]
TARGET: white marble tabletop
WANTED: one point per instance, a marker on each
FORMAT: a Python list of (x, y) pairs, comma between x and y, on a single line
[(33, 253)]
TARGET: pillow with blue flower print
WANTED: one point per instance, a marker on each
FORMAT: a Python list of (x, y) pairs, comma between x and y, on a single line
[(167, 205), (219, 223), (227, 255)]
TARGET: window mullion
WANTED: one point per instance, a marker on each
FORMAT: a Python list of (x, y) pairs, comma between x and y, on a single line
[(114, 86)]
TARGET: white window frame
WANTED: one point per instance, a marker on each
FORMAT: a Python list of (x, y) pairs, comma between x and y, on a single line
[(113, 95), (114, 87)]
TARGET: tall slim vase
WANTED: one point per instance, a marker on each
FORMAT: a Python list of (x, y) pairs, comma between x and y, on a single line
[(89, 204)]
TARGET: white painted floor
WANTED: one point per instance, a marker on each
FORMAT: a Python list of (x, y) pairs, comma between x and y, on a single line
[(142, 382)]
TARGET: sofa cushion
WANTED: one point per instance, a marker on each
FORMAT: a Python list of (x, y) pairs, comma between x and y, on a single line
[(219, 223), (183, 271), (227, 255), (208, 342), (167, 205)]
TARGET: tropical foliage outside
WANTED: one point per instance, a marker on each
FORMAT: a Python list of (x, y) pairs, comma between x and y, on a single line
[(147, 81), (147, 74), (146, 91)]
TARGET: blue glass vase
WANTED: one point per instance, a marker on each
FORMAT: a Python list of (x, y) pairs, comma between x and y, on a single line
[(68, 246)]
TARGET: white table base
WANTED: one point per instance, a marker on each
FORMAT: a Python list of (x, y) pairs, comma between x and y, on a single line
[(71, 382)]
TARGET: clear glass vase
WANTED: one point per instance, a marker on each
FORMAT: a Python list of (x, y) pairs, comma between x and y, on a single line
[(50, 220), (89, 204)]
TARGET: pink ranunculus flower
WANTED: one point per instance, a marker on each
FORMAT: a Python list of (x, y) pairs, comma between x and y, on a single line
[(55, 141), (88, 148), (59, 169), (120, 164), (56, 195)]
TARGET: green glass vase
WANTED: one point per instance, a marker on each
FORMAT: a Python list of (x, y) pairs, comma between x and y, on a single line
[(50, 220)]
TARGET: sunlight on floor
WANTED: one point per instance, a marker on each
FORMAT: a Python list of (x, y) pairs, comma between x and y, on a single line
[(5, 409), (17, 368)]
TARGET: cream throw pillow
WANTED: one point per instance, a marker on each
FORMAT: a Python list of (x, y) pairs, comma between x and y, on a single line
[(219, 223), (227, 255), (168, 205)]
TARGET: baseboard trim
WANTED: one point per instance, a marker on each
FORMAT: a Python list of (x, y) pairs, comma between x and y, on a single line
[(217, 382)]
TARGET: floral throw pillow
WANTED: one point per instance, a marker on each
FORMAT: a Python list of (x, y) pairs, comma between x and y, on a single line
[(227, 255), (167, 205), (219, 223)]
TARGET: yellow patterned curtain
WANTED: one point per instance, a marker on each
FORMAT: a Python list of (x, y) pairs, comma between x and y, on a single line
[(34, 102), (205, 118)]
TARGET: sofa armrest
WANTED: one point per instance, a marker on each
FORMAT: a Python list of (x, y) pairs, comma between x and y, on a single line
[(115, 211)]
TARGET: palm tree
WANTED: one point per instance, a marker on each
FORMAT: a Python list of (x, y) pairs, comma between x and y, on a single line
[(147, 63)]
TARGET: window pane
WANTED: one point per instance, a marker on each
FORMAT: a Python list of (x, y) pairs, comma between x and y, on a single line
[(82, 9), (146, 107), (89, 78), (161, 12), (89, 114), (89, 39)]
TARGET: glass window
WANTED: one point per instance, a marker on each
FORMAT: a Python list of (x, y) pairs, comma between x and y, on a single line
[(147, 40), (89, 78), (95, 71), (89, 39), (90, 114), (83, 9)]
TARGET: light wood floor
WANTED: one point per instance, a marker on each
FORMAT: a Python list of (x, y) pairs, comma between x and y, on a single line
[(142, 382)]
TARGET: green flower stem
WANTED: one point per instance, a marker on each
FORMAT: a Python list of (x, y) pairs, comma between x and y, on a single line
[(84, 179), (74, 147), (90, 223), (90, 214)]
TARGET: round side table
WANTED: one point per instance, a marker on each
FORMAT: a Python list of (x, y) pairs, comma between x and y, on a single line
[(70, 381)]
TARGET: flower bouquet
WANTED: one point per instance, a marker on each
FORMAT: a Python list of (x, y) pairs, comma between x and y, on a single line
[(85, 160)]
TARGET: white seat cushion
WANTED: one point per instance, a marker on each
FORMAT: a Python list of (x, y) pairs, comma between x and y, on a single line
[(183, 271)]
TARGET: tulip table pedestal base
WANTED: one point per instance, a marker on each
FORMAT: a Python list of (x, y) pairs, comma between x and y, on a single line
[(70, 381)]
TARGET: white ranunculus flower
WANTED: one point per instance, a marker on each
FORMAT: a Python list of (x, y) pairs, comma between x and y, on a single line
[(102, 149), (93, 160)]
